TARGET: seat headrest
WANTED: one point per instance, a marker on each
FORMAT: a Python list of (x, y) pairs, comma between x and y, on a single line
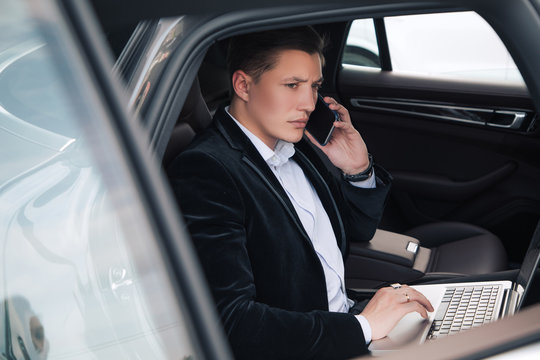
[(194, 118), (195, 113)]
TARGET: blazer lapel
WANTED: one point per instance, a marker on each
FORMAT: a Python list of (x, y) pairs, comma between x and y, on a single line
[(253, 159)]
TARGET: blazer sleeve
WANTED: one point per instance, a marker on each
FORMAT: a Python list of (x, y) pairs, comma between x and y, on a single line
[(212, 206), (361, 208)]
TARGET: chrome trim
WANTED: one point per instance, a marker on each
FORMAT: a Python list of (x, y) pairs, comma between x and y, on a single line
[(357, 102), (517, 121), (412, 247), (415, 103), (446, 110)]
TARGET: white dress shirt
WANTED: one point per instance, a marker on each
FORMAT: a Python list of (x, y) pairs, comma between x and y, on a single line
[(314, 219)]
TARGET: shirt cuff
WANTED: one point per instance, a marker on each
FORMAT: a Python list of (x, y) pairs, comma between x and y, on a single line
[(366, 328), (369, 183)]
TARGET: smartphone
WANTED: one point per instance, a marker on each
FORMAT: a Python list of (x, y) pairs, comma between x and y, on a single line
[(321, 122)]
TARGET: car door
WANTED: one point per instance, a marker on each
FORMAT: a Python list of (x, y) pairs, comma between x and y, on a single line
[(92, 264), (443, 107)]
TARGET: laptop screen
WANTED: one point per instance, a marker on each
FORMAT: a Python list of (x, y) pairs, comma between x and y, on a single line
[(530, 263)]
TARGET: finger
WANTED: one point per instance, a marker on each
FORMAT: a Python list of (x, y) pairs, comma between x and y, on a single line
[(414, 306), (329, 100), (419, 308), (415, 295), (420, 298), (342, 110), (345, 126), (342, 124)]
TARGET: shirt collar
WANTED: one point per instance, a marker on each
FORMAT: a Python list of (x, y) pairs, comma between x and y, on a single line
[(280, 155)]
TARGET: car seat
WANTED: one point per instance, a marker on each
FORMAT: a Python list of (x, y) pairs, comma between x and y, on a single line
[(193, 118)]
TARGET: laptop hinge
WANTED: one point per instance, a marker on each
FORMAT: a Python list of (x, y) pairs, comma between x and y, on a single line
[(510, 302)]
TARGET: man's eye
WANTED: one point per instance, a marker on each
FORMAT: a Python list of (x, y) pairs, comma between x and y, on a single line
[(292, 85), (317, 86)]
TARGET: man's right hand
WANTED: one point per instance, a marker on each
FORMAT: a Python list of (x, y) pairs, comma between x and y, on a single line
[(390, 304)]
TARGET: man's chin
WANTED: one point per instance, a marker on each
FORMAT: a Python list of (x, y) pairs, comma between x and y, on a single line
[(294, 138)]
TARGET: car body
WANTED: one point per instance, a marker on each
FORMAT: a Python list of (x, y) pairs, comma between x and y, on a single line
[(92, 241)]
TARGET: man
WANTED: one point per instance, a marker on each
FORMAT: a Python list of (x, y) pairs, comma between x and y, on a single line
[(271, 222)]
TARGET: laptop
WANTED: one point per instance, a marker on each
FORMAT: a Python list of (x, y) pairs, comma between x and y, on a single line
[(462, 306)]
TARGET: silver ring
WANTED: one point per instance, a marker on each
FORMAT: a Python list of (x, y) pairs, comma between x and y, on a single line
[(395, 286)]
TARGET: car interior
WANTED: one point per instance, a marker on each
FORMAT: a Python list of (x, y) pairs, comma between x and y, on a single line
[(92, 117), (410, 246), (463, 200)]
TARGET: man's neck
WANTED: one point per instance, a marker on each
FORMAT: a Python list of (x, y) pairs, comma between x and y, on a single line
[(238, 110)]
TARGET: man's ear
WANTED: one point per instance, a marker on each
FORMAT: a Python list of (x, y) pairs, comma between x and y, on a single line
[(241, 84)]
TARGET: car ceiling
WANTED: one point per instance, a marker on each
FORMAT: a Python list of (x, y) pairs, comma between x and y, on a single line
[(118, 12)]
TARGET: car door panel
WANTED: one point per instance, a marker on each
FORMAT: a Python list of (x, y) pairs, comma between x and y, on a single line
[(443, 188), (454, 149)]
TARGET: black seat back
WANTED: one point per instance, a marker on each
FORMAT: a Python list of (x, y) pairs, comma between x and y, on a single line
[(193, 118)]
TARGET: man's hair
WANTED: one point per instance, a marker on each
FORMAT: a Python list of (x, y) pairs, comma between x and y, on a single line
[(258, 52)]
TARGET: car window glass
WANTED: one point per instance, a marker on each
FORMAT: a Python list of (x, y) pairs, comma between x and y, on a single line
[(81, 272), (361, 48), (432, 45)]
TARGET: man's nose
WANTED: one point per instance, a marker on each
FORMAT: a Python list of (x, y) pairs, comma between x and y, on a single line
[(309, 98)]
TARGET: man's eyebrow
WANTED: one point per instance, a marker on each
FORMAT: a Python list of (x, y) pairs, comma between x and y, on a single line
[(297, 79)]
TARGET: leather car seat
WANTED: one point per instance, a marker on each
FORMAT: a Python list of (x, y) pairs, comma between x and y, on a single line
[(460, 248), (193, 118), (457, 248)]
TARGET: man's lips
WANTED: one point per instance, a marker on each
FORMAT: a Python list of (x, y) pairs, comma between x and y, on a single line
[(299, 122)]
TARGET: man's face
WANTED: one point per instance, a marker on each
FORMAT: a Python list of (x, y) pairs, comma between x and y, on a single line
[(280, 102)]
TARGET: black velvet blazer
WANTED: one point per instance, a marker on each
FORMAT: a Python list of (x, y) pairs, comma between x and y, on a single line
[(264, 275)]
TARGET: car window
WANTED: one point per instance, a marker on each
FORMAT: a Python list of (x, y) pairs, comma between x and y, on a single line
[(432, 45), (362, 48), (81, 272)]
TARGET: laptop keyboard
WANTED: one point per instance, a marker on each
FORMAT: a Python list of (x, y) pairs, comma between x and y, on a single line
[(463, 308)]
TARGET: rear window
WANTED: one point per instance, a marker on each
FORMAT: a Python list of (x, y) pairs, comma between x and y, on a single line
[(457, 45)]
